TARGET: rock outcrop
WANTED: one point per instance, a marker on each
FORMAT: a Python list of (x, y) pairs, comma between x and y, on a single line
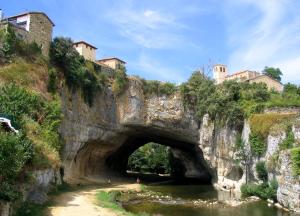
[(99, 139)]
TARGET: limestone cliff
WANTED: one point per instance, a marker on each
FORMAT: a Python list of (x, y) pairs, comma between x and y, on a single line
[(100, 138)]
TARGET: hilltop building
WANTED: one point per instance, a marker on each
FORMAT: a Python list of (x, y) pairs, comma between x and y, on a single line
[(88, 51), (85, 49), (220, 74), (112, 62), (31, 27)]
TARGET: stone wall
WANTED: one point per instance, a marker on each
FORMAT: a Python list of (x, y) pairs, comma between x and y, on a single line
[(40, 31)]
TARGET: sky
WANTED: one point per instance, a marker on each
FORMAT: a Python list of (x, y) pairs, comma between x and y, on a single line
[(169, 39)]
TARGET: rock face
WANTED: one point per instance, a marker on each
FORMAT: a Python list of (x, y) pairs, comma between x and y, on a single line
[(99, 139), (288, 193), (44, 181)]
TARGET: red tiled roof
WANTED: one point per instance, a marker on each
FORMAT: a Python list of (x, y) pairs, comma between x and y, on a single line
[(32, 12)]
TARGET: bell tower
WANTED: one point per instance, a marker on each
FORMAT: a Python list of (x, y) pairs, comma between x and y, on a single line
[(219, 73)]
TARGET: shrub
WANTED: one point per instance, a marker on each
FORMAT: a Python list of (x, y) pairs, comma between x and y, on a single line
[(261, 171), (289, 141), (295, 157), (12, 46), (120, 80), (264, 190), (15, 152), (52, 81), (257, 143), (158, 88), (78, 73), (18, 102)]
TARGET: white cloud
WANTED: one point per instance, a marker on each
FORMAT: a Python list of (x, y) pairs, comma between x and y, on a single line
[(271, 36), (149, 28)]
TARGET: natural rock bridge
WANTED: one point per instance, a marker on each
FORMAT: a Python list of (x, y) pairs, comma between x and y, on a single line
[(99, 139)]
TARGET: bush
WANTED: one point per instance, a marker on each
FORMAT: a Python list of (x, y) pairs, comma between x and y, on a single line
[(229, 102), (15, 152), (120, 80), (261, 171), (289, 141), (52, 81), (295, 157), (18, 102), (158, 88), (12, 46), (78, 73), (258, 145), (264, 190)]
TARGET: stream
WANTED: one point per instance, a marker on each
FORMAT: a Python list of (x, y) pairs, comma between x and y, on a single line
[(194, 200)]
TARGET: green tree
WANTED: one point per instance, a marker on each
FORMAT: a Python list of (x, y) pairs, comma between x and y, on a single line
[(151, 157), (15, 152), (275, 73)]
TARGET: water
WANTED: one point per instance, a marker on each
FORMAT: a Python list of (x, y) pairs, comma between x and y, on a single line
[(195, 200)]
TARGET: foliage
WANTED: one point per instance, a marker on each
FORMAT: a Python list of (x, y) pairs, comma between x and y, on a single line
[(109, 200), (261, 124), (18, 102), (158, 88), (230, 101), (15, 152), (261, 171), (151, 157), (264, 190), (288, 142), (120, 80), (275, 73), (35, 116), (295, 157), (77, 72), (12, 46), (52, 81), (258, 146)]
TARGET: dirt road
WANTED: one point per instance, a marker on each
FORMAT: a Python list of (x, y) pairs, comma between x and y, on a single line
[(83, 202)]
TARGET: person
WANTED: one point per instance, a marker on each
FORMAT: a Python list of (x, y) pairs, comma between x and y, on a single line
[(109, 181), (138, 180)]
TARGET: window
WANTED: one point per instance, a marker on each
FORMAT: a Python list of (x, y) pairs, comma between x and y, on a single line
[(86, 46)]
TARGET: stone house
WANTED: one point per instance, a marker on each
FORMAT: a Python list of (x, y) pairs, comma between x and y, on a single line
[(220, 74), (85, 49), (113, 62), (88, 51), (31, 27)]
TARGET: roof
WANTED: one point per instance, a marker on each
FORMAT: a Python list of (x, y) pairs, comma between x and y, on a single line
[(264, 75), (234, 74), (28, 13), (219, 65), (86, 43), (111, 58)]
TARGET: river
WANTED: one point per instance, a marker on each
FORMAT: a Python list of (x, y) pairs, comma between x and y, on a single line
[(194, 200)]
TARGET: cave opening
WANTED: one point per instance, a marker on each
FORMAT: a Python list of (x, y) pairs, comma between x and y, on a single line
[(179, 160)]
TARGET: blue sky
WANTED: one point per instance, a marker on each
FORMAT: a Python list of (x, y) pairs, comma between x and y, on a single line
[(168, 39)]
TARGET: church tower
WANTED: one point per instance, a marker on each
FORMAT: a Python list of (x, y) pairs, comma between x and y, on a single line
[(219, 73)]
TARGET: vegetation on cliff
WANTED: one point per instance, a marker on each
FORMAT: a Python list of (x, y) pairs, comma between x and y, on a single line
[(33, 111)]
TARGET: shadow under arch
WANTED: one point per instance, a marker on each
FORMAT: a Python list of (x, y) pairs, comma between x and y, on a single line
[(188, 161)]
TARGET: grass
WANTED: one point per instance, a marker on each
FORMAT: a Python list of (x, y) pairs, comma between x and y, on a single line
[(32, 76), (109, 200), (261, 124)]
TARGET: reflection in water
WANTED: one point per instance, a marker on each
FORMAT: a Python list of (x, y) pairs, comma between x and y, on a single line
[(196, 200)]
